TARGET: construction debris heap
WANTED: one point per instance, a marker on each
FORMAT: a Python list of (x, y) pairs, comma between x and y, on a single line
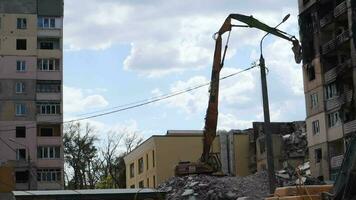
[(201, 187)]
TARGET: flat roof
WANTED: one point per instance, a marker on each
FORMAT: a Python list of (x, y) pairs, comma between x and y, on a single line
[(122, 193)]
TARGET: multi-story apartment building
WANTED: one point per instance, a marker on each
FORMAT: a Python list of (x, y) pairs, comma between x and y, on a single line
[(327, 31), (31, 92)]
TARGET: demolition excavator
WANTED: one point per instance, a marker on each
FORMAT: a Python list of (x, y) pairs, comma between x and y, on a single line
[(210, 162)]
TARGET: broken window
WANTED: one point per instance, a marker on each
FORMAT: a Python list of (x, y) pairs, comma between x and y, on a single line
[(132, 170), (20, 154), (307, 36), (147, 161), (21, 44), (262, 145), (331, 91), (314, 100), (140, 184), (318, 155), (316, 128), (311, 72), (21, 176), (153, 158), (46, 45), (140, 165), (20, 131), (46, 131), (333, 119), (154, 181)]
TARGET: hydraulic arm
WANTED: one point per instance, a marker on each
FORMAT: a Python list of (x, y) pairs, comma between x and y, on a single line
[(211, 117)]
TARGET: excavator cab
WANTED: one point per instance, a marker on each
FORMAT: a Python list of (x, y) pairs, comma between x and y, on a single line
[(211, 166)]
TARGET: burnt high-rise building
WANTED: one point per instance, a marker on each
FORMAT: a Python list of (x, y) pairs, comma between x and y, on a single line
[(327, 32)]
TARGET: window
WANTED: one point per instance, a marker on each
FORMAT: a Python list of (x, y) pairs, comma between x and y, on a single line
[(132, 186), (140, 165), (314, 100), (318, 155), (311, 72), (132, 170), (333, 119), (331, 90), (48, 108), (48, 86), (262, 145), (20, 87), (21, 44), (20, 66), (147, 161), (140, 184), (21, 176), (20, 154), (21, 23), (48, 152), (49, 175), (20, 131), (47, 131), (148, 182), (154, 181), (46, 45), (48, 64), (46, 22), (316, 128), (20, 109), (153, 158)]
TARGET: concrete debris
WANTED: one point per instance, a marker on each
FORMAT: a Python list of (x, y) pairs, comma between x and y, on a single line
[(295, 144), (288, 176), (201, 187)]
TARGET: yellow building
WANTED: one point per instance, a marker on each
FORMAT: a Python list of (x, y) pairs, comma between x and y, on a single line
[(154, 161)]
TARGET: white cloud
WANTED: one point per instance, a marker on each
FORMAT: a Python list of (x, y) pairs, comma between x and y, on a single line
[(230, 121), (77, 100), (165, 37)]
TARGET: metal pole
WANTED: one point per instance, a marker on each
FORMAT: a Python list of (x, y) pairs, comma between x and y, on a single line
[(267, 127)]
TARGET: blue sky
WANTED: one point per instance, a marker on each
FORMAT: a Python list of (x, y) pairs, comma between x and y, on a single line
[(120, 51)]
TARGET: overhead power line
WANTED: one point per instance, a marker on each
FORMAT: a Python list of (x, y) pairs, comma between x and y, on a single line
[(136, 104)]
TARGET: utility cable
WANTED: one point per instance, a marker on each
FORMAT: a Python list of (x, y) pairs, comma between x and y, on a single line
[(142, 103)]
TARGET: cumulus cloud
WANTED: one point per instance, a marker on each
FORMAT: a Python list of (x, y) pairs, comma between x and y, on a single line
[(165, 36), (77, 100)]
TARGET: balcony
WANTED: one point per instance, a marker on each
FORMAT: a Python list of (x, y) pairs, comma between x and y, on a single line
[(333, 43), (331, 75), (336, 161), (326, 20), (340, 9), (350, 127), (338, 101)]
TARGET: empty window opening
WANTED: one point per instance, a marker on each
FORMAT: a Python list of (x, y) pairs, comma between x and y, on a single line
[(318, 155), (21, 44), (20, 154), (21, 176), (20, 131), (140, 165)]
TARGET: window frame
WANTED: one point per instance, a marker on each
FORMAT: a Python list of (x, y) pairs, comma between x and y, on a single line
[(48, 152), (49, 175), (20, 109), (21, 66), (132, 170), (140, 164), (314, 100), (21, 23), (20, 87), (316, 127), (19, 45)]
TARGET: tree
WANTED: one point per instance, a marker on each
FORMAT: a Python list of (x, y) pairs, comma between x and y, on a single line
[(80, 155)]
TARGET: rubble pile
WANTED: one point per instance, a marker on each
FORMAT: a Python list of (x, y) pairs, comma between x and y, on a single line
[(295, 144), (201, 187)]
